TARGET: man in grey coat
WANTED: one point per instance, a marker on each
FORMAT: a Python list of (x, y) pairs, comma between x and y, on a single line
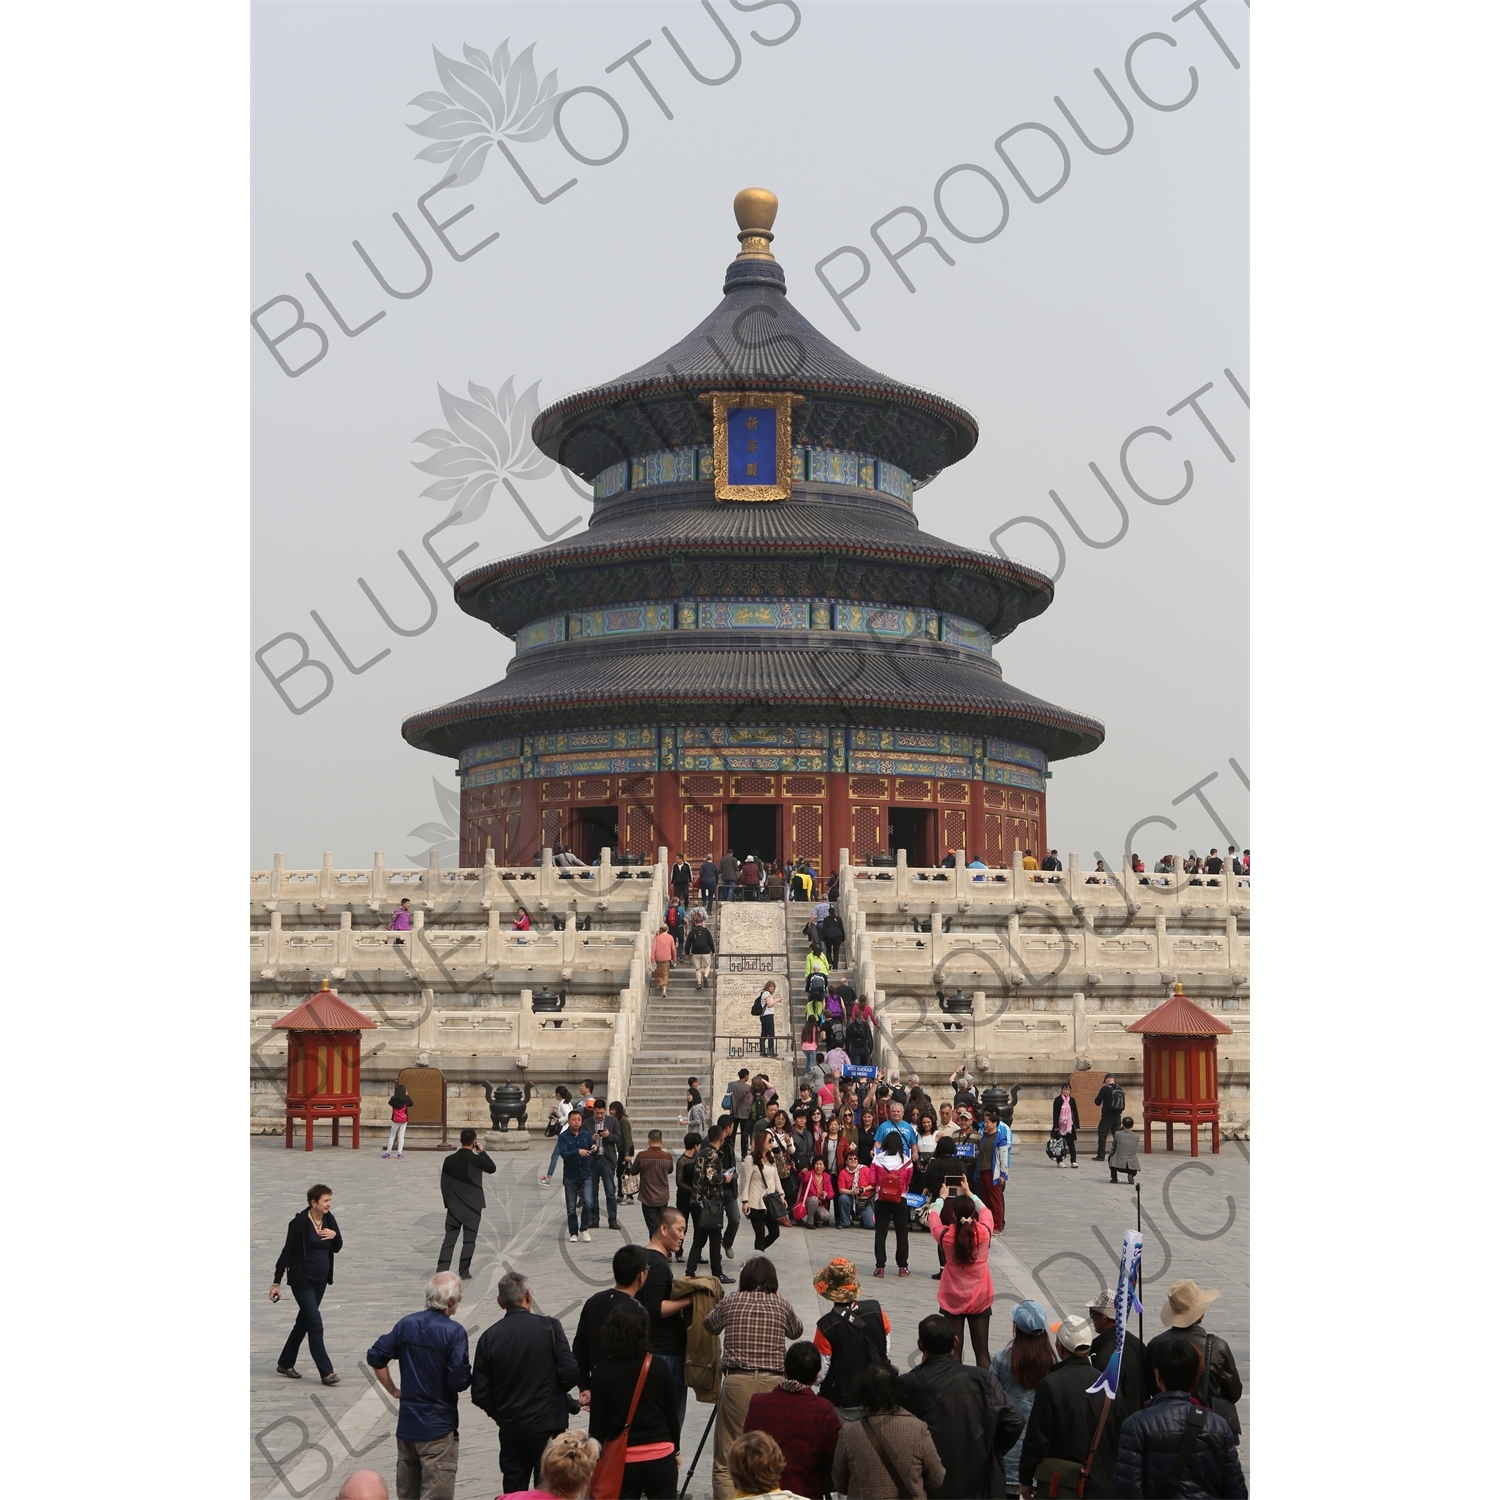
[(463, 1196), (1126, 1154)]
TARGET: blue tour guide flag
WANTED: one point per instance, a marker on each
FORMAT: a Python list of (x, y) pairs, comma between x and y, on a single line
[(1127, 1301), (750, 433), (859, 1070)]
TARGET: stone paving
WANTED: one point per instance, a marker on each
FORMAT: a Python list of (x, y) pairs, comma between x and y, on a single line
[(1061, 1243)]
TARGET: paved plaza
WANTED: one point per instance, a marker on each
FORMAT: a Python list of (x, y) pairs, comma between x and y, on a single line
[(1061, 1244)]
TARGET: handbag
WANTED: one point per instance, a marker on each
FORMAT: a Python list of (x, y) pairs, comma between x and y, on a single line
[(1056, 1147), (1060, 1476), (799, 1210), (608, 1478), (903, 1489)]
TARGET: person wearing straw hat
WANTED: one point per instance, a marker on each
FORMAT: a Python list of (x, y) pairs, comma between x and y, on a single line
[(1064, 1431), (1220, 1385), (850, 1338)]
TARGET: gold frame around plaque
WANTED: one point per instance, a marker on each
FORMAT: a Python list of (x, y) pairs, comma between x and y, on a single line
[(783, 401)]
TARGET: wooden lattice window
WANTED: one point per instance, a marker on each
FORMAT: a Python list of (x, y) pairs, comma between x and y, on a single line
[(807, 831), (866, 821), (638, 786), (510, 794), (640, 829), (954, 823), (556, 791), (868, 786), (552, 825), (752, 786), (994, 796), (802, 786), (697, 831), (994, 840), (953, 791), (913, 789), (1020, 833), (512, 851), (594, 789), (703, 786)]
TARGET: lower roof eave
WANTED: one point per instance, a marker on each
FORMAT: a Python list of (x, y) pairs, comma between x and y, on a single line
[(434, 729)]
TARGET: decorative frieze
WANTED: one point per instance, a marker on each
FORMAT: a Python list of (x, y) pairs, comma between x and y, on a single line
[(752, 613), (839, 466)]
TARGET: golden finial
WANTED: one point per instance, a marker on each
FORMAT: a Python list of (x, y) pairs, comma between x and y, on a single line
[(755, 213), (326, 984), (1178, 988)]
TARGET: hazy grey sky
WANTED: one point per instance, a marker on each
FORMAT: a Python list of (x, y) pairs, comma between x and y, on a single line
[(1086, 319)]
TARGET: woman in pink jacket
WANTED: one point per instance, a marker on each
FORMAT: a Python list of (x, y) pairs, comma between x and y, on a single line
[(966, 1292), (663, 955)]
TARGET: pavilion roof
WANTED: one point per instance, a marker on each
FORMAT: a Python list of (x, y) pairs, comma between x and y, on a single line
[(1180, 1017), (324, 1012)]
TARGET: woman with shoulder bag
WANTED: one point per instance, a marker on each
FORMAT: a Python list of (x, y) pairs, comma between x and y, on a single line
[(632, 1412), (763, 1203)]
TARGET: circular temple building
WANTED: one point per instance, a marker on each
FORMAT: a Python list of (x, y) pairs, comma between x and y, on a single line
[(754, 646)]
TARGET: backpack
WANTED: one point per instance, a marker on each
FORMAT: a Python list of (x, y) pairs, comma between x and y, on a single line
[(758, 1005), (890, 1189), (1116, 1099), (853, 1355), (835, 1029), (859, 1034), (817, 985)]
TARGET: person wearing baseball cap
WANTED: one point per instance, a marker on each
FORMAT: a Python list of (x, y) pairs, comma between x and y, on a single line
[(1133, 1379), (1019, 1367), (1064, 1434), (1182, 1315)]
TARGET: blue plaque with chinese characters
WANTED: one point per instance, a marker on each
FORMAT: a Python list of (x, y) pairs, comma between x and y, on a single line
[(752, 444), (751, 435)]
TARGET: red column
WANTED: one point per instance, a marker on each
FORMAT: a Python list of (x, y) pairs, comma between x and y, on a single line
[(668, 813), (531, 819), (838, 826)]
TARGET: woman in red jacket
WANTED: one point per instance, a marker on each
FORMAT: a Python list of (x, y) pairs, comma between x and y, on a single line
[(966, 1292)]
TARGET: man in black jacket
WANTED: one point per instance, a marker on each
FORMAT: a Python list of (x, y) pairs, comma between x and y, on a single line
[(523, 1370), (1133, 1382), (1182, 1312), (463, 1196), (971, 1419), (629, 1267), (1111, 1102), (1174, 1446), (1064, 1417), (833, 935)]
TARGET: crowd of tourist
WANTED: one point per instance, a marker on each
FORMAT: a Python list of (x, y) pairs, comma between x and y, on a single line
[(828, 1414), (795, 1416)]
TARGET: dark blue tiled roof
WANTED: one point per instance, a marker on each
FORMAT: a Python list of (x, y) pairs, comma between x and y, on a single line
[(755, 339), (688, 680)]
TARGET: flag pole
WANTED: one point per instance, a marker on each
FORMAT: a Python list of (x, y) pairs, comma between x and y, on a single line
[(1140, 1317)]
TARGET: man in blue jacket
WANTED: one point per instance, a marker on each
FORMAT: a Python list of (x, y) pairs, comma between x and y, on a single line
[(432, 1347), (576, 1146), (1174, 1446)]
